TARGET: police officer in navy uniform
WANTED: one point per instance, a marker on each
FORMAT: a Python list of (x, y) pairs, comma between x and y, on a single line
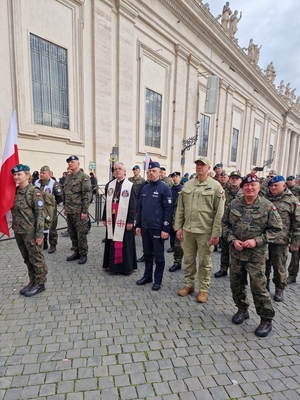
[(154, 223)]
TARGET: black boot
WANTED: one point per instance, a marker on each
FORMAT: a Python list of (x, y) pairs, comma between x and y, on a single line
[(264, 328), (45, 245)]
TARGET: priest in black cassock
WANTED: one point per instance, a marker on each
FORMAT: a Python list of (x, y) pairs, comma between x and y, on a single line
[(119, 215)]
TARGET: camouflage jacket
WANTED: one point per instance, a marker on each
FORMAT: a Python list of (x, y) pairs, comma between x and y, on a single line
[(168, 181), (259, 221), (136, 183), (288, 207), (231, 195), (56, 190), (28, 219), (295, 190), (77, 193)]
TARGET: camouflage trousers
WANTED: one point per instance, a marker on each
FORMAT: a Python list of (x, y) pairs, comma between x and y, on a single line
[(192, 244), (53, 231), (258, 281), (178, 252), (278, 255), (225, 257), (294, 264), (33, 258), (78, 229)]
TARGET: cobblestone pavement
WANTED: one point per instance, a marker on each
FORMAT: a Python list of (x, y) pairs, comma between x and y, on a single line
[(93, 336)]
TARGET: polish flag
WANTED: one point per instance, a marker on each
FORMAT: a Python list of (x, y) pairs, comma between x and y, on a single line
[(147, 161), (7, 183)]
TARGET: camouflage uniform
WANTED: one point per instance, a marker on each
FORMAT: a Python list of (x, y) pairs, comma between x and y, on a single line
[(264, 188), (168, 181), (28, 225), (288, 208), (58, 194), (136, 184), (294, 263), (229, 196), (295, 190), (77, 198), (259, 221)]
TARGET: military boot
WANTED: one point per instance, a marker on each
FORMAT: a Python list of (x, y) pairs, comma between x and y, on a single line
[(278, 295), (264, 328)]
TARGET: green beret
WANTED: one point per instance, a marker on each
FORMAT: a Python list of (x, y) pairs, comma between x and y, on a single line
[(20, 167)]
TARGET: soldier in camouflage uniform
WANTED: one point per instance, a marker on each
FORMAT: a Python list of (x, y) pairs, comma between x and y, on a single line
[(231, 192), (288, 208), (294, 263), (28, 225), (264, 186), (49, 185), (163, 176), (250, 223), (136, 180), (77, 198)]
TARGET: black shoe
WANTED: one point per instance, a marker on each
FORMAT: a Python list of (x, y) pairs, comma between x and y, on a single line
[(52, 249), (264, 328), (156, 286), (35, 289), (290, 279), (74, 256), (278, 295), (143, 281), (174, 268), (240, 317), (45, 245), (82, 259), (142, 259), (27, 287), (103, 240), (220, 273), (170, 249)]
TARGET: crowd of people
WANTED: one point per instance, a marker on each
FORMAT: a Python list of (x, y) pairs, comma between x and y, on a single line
[(255, 223)]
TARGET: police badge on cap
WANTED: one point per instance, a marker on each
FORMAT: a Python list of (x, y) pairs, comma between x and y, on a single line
[(71, 158)]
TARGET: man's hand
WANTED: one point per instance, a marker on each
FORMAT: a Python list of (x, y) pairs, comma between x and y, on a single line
[(83, 216), (39, 241), (249, 244), (179, 234), (138, 231), (129, 227), (293, 248), (213, 241), (238, 245), (164, 235)]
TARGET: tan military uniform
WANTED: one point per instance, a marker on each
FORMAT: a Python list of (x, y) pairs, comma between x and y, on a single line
[(199, 213)]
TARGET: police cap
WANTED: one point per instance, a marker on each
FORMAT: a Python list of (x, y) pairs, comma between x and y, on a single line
[(72, 158), (175, 174), (154, 164)]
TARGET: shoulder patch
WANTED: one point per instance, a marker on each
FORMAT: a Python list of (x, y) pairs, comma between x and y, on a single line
[(85, 179), (38, 194), (274, 208), (222, 191)]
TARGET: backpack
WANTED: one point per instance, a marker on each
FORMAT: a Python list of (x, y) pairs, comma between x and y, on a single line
[(49, 206)]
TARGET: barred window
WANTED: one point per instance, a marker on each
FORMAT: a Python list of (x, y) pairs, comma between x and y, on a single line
[(153, 118), (271, 152), (234, 145), (203, 135), (255, 151), (49, 69)]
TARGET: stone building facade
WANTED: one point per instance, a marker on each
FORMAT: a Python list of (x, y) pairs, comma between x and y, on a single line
[(89, 75)]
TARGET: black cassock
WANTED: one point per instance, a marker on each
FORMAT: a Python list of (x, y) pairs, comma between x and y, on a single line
[(129, 263)]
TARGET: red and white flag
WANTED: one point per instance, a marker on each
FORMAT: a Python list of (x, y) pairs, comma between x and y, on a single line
[(147, 161), (9, 160)]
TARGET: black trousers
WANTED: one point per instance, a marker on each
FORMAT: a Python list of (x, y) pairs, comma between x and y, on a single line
[(153, 244)]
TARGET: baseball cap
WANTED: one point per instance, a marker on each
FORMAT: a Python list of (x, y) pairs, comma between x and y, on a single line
[(205, 160)]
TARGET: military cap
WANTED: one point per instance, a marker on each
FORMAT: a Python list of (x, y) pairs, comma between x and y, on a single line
[(175, 174), (272, 172), (290, 178), (205, 160), (235, 173), (249, 178), (277, 178), (162, 168), (219, 165), (45, 168), (19, 168), (72, 158), (154, 164), (135, 167), (223, 173)]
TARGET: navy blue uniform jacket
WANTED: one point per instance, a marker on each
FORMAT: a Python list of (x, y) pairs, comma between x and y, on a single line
[(155, 207)]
